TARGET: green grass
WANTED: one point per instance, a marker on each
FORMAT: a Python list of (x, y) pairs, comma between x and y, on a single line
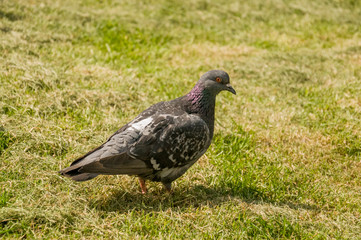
[(285, 158)]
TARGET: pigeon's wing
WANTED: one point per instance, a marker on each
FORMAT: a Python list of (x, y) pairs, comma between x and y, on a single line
[(117, 164), (172, 141), (144, 146), (112, 157)]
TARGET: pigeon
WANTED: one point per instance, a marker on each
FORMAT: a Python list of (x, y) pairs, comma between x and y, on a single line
[(162, 142)]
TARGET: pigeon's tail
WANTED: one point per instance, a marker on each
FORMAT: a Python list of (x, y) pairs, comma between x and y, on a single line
[(75, 175), (74, 171)]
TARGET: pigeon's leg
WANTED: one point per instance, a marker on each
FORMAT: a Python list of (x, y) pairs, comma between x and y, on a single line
[(168, 187), (142, 185)]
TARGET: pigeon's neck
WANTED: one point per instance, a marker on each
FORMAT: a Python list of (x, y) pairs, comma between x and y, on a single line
[(202, 102)]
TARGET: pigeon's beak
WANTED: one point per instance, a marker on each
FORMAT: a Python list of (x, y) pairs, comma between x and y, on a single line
[(230, 89)]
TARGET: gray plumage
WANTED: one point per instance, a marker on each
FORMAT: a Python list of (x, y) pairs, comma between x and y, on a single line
[(162, 142)]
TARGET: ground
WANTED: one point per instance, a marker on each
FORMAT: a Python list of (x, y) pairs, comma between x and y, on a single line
[(285, 159)]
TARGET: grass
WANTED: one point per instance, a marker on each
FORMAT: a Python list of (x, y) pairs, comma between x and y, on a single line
[(285, 159)]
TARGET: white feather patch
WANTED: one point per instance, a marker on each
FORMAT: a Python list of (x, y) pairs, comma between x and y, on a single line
[(171, 158), (155, 164), (141, 124)]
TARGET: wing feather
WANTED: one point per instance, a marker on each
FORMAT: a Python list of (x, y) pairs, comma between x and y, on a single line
[(144, 146)]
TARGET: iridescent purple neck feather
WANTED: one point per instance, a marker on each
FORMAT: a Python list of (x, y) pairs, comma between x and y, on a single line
[(202, 102)]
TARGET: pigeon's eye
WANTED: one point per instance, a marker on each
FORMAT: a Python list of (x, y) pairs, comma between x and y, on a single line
[(218, 79)]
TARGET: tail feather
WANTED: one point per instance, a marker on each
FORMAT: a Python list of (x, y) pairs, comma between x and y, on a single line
[(75, 175), (98, 162), (84, 177), (74, 170)]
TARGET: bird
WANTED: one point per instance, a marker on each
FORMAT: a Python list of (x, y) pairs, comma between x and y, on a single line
[(162, 142)]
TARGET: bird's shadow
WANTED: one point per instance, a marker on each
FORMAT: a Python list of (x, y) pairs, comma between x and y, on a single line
[(181, 199)]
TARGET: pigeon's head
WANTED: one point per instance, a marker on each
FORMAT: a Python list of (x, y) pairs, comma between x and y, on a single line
[(216, 81)]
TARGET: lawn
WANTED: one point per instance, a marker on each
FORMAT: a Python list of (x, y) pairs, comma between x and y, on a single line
[(285, 160)]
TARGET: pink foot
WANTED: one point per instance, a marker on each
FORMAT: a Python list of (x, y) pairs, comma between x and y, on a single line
[(142, 185)]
